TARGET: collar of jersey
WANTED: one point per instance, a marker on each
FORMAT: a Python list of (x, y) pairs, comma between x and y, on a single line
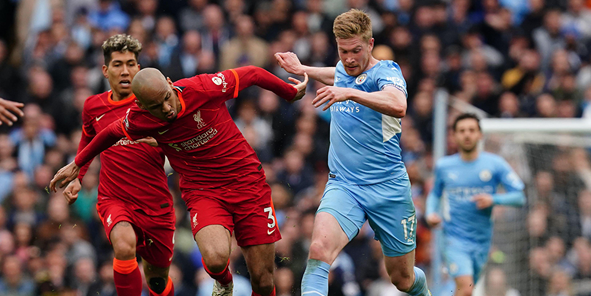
[(112, 102), (179, 93)]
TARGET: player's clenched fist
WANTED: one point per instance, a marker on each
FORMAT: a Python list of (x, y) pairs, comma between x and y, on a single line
[(433, 220), (68, 173), (7, 111), (71, 192)]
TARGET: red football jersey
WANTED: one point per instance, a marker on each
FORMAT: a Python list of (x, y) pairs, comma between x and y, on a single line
[(130, 171), (203, 144)]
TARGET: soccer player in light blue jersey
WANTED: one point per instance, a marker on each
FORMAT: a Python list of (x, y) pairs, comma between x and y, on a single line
[(465, 190), (367, 180)]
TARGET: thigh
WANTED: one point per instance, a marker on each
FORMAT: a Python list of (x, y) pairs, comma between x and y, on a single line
[(391, 214), (113, 211), (339, 201), (254, 217), (260, 259), (157, 245)]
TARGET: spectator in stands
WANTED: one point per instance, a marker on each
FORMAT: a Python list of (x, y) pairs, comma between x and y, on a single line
[(496, 284), (109, 16), (13, 280), (191, 17), (245, 48)]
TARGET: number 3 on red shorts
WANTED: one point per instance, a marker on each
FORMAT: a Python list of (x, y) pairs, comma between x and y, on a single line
[(271, 217)]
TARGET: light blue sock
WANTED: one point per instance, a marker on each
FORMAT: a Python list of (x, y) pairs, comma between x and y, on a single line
[(315, 280), (419, 287)]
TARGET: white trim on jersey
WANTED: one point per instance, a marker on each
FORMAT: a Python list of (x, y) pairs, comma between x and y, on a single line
[(390, 127)]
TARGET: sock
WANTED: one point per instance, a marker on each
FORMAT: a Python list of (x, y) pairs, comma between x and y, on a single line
[(127, 277), (168, 291), (315, 280), (224, 277), (272, 293), (419, 287)]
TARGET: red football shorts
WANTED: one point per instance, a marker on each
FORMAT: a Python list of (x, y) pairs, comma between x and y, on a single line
[(155, 234), (249, 212)]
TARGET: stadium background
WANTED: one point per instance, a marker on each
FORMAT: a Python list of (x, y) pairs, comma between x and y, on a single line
[(508, 58)]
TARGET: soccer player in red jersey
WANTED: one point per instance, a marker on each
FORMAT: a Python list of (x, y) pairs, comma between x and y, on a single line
[(134, 203), (222, 180)]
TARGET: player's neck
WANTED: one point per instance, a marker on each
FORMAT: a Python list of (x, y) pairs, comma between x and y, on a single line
[(118, 97), (469, 156), (372, 62)]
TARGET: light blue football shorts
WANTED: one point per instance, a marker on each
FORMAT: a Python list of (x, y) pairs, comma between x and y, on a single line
[(387, 206), (464, 258)]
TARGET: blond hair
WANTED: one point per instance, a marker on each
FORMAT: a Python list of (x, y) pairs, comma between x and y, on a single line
[(120, 43), (351, 24)]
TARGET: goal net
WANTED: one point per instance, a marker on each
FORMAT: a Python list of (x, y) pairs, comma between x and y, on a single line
[(542, 248)]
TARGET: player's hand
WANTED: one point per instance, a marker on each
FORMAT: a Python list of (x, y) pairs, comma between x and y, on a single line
[(330, 95), (433, 220), (290, 62), (67, 173), (7, 108), (300, 86), (483, 200), (71, 191), (149, 140)]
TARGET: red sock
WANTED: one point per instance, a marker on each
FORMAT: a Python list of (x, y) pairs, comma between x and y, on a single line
[(127, 276), (224, 277), (168, 291), (272, 293)]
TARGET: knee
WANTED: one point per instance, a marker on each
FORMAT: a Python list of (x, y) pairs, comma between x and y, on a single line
[(216, 262), (262, 283), (124, 247), (403, 282), (464, 291), (319, 251), (157, 284)]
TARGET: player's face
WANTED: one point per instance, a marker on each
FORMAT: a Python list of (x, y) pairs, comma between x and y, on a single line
[(355, 53), (120, 72), (467, 134), (165, 104)]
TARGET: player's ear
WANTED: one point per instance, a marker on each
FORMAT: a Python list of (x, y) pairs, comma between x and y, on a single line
[(105, 68), (169, 81), (371, 44)]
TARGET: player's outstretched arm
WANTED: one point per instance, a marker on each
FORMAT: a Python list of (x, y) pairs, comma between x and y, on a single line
[(291, 63), (251, 75), (102, 141), (8, 109)]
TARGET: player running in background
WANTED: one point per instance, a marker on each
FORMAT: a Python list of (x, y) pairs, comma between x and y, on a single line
[(7, 111), (468, 183), (134, 203), (222, 180), (368, 180)]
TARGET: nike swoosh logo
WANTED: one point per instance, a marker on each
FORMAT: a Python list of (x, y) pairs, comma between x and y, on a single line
[(162, 132), (269, 232), (99, 118)]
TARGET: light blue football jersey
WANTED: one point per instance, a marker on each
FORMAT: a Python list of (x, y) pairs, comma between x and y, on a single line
[(457, 181), (364, 143)]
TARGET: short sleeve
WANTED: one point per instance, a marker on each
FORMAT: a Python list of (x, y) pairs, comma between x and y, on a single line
[(390, 74)]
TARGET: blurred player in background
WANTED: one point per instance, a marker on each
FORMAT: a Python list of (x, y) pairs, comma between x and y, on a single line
[(8, 109), (134, 203), (367, 180), (222, 180), (468, 183)]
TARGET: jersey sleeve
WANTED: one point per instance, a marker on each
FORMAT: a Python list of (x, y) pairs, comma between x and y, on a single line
[(508, 178), (88, 133), (227, 84), (391, 76), (134, 125), (434, 197)]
